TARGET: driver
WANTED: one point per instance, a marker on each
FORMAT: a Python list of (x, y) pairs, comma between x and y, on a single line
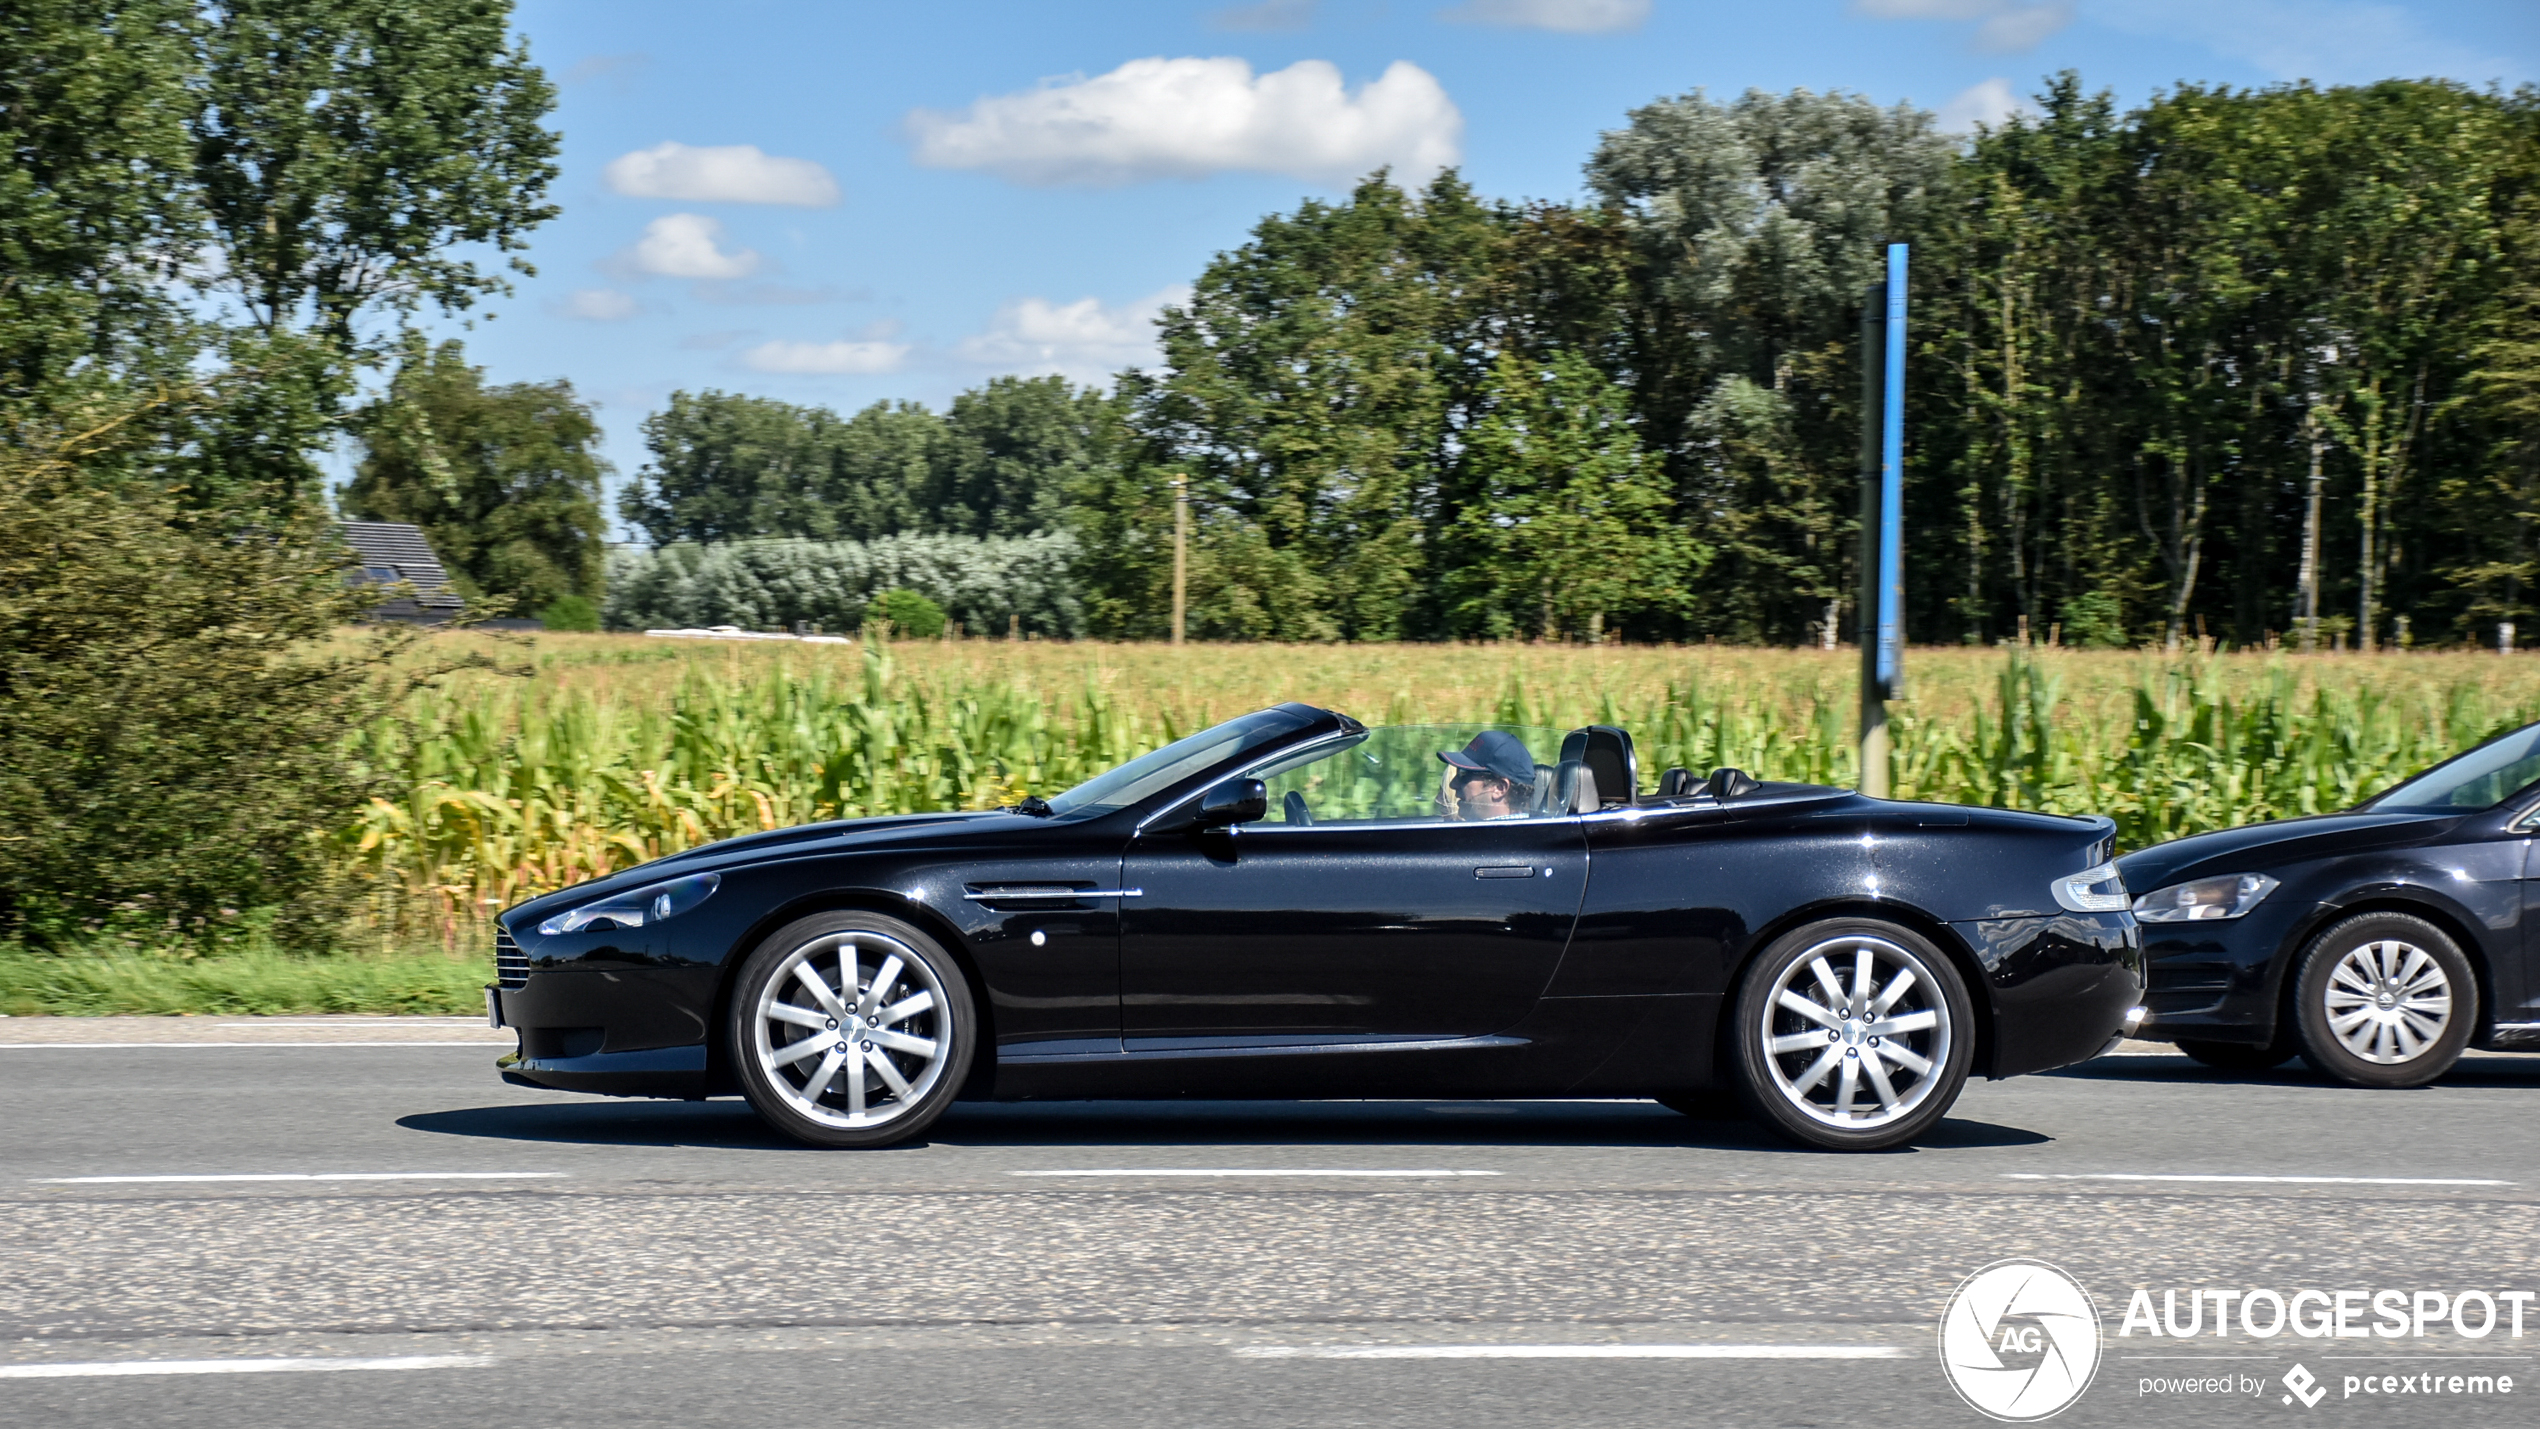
[(1491, 778)]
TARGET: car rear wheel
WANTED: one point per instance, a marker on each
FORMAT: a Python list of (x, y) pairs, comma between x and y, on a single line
[(851, 1029), (2385, 1000), (2239, 1056), (1852, 1035)]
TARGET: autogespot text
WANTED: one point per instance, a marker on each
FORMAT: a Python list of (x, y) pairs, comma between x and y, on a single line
[(2329, 1314)]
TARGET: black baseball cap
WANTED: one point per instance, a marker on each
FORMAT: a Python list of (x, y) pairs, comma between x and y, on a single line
[(1495, 751)]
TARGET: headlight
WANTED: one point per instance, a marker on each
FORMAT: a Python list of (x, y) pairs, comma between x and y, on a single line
[(2204, 900), (636, 908), (2093, 890)]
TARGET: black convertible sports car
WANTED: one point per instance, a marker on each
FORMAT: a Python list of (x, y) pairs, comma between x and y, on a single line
[(1294, 905), (2377, 943)]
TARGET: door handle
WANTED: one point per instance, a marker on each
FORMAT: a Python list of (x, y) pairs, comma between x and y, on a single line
[(1002, 895), (1509, 870)]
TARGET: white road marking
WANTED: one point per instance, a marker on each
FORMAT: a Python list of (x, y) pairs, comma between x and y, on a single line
[(1427, 1172), (2264, 1180), (129, 1046), (1570, 1352), (130, 1367), (307, 1176)]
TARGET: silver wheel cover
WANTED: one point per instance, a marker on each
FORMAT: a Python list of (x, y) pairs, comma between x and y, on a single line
[(853, 1029), (1856, 1032), (2388, 1001)]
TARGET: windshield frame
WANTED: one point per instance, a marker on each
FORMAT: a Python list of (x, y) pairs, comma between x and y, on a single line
[(2381, 803), (1134, 783)]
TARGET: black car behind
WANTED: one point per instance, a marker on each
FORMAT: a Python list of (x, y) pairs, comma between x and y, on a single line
[(2377, 943)]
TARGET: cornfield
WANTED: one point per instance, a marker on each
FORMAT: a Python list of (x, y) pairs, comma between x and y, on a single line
[(620, 750)]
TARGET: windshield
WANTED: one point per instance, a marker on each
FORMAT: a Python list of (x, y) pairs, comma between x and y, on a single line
[(1394, 773), (1153, 773), (2480, 779)]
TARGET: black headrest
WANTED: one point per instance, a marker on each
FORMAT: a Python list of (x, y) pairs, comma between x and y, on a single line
[(1675, 783), (1727, 783)]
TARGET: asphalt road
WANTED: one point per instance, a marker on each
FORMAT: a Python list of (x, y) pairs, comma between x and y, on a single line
[(560, 1261)]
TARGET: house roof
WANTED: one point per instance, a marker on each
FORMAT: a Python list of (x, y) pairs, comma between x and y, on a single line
[(393, 551)]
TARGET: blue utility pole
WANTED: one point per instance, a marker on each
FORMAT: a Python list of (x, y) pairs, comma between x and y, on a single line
[(1882, 516)]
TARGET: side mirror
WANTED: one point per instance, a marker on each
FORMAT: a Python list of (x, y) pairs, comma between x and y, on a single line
[(1237, 801)]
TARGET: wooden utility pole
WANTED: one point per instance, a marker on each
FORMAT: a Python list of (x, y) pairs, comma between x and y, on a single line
[(1181, 552)]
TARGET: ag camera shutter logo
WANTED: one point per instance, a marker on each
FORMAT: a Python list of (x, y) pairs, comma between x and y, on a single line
[(2020, 1340)]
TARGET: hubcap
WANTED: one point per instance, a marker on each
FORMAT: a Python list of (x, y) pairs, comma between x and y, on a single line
[(852, 1029), (1856, 1032), (2388, 1001)]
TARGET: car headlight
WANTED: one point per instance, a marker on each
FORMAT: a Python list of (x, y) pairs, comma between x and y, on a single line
[(2204, 900), (2093, 890), (637, 907)]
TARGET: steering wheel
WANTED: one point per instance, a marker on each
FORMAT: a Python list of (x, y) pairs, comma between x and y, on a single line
[(1293, 810)]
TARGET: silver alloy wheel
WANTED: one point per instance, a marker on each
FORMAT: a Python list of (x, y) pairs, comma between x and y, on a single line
[(852, 1029), (1856, 1032), (2387, 1001)]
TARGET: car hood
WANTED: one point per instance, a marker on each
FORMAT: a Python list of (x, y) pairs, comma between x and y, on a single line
[(2257, 847), (882, 831)]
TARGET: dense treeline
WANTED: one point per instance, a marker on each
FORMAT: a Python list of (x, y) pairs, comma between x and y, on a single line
[(2233, 362)]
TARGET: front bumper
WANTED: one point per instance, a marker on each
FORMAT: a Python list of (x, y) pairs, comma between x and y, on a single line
[(622, 1032), (2213, 982)]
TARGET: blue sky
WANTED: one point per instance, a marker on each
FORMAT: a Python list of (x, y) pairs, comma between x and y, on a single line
[(838, 203)]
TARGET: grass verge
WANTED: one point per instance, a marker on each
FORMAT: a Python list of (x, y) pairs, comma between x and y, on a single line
[(127, 980)]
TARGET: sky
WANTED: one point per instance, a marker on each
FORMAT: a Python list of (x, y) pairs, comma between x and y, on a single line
[(838, 202)]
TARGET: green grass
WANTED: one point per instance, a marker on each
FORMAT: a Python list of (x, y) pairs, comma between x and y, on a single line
[(108, 980)]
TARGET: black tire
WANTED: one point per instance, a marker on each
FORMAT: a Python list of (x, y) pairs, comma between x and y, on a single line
[(1778, 1081), (897, 1089), (2240, 1056), (2384, 1000), (1706, 1104)]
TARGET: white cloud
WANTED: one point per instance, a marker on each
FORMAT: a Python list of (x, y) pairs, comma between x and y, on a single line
[(1575, 17), (1086, 339), (600, 305), (1267, 15), (728, 173), (689, 245), (1169, 118), (2007, 26), (1988, 102), (841, 358)]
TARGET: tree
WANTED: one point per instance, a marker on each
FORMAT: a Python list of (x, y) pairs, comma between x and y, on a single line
[(729, 467), (95, 216), (1312, 390), (172, 736), (503, 479), (350, 153), (1011, 450), (1573, 526), (1756, 226)]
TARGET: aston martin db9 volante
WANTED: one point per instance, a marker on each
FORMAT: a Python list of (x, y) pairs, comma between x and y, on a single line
[(1294, 905), (2376, 943)]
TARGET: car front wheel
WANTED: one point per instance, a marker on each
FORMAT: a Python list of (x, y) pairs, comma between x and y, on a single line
[(1852, 1035), (2385, 1000), (851, 1029)]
